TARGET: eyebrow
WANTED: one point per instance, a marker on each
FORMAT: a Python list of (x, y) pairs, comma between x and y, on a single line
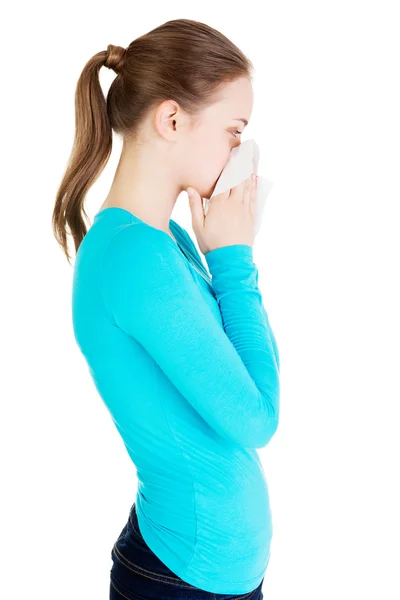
[(245, 121)]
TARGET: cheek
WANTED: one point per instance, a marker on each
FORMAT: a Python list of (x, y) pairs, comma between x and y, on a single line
[(211, 152), (224, 157), (205, 159), (220, 150), (219, 156)]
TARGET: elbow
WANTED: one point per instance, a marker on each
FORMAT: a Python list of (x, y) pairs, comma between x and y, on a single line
[(255, 433), (261, 436), (260, 429), (257, 422), (268, 433)]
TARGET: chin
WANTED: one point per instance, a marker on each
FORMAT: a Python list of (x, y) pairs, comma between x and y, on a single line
[(208, 192)]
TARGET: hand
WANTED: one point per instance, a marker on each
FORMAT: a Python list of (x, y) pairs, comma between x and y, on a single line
[(229, 219)]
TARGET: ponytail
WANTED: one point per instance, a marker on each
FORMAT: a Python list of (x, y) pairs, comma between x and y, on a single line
[(91, 149)]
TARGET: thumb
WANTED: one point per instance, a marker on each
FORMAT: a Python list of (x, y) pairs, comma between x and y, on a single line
[(196, 206)]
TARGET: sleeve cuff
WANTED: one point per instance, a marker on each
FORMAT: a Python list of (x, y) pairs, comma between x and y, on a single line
[(229, 255)]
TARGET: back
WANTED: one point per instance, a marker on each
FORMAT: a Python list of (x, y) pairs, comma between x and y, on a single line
[(188, 368)]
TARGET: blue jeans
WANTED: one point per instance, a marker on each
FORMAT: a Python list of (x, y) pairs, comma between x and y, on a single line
[(137, 573)]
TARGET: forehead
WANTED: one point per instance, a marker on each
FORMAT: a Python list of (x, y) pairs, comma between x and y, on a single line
[(235, 101)]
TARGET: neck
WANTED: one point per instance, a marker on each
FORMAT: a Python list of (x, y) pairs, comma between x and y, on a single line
[(142, 184)]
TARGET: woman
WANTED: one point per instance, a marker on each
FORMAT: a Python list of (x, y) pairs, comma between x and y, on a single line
[(183, 357)]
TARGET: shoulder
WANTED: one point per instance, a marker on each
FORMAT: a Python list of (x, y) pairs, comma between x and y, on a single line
[(141, 254), (138, 239)]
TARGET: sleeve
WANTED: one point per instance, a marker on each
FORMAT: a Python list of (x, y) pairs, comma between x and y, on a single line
[(229, 375), (273, 339), (189, 240), (271, 333)]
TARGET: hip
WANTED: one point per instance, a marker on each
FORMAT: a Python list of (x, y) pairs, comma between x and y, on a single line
[(138, 572)]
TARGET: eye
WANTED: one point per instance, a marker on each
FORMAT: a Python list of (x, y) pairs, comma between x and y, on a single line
[(238, 132)]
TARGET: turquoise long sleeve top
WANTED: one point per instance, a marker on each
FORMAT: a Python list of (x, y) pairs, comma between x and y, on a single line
[(187, 365)]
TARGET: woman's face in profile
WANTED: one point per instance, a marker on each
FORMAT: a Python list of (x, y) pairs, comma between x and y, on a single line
[(207, 145)]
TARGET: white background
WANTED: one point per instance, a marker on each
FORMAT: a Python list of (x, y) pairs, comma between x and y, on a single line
[(326, 118)]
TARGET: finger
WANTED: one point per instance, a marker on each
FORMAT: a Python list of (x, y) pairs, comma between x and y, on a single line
[(219, 198), (254, 191), (237, 190), (245, 196), (248, 191)]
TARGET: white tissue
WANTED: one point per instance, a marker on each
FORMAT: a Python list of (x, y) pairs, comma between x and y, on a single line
[(243, 161)]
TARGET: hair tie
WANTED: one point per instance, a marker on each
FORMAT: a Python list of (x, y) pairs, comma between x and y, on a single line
[(115, 58)]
